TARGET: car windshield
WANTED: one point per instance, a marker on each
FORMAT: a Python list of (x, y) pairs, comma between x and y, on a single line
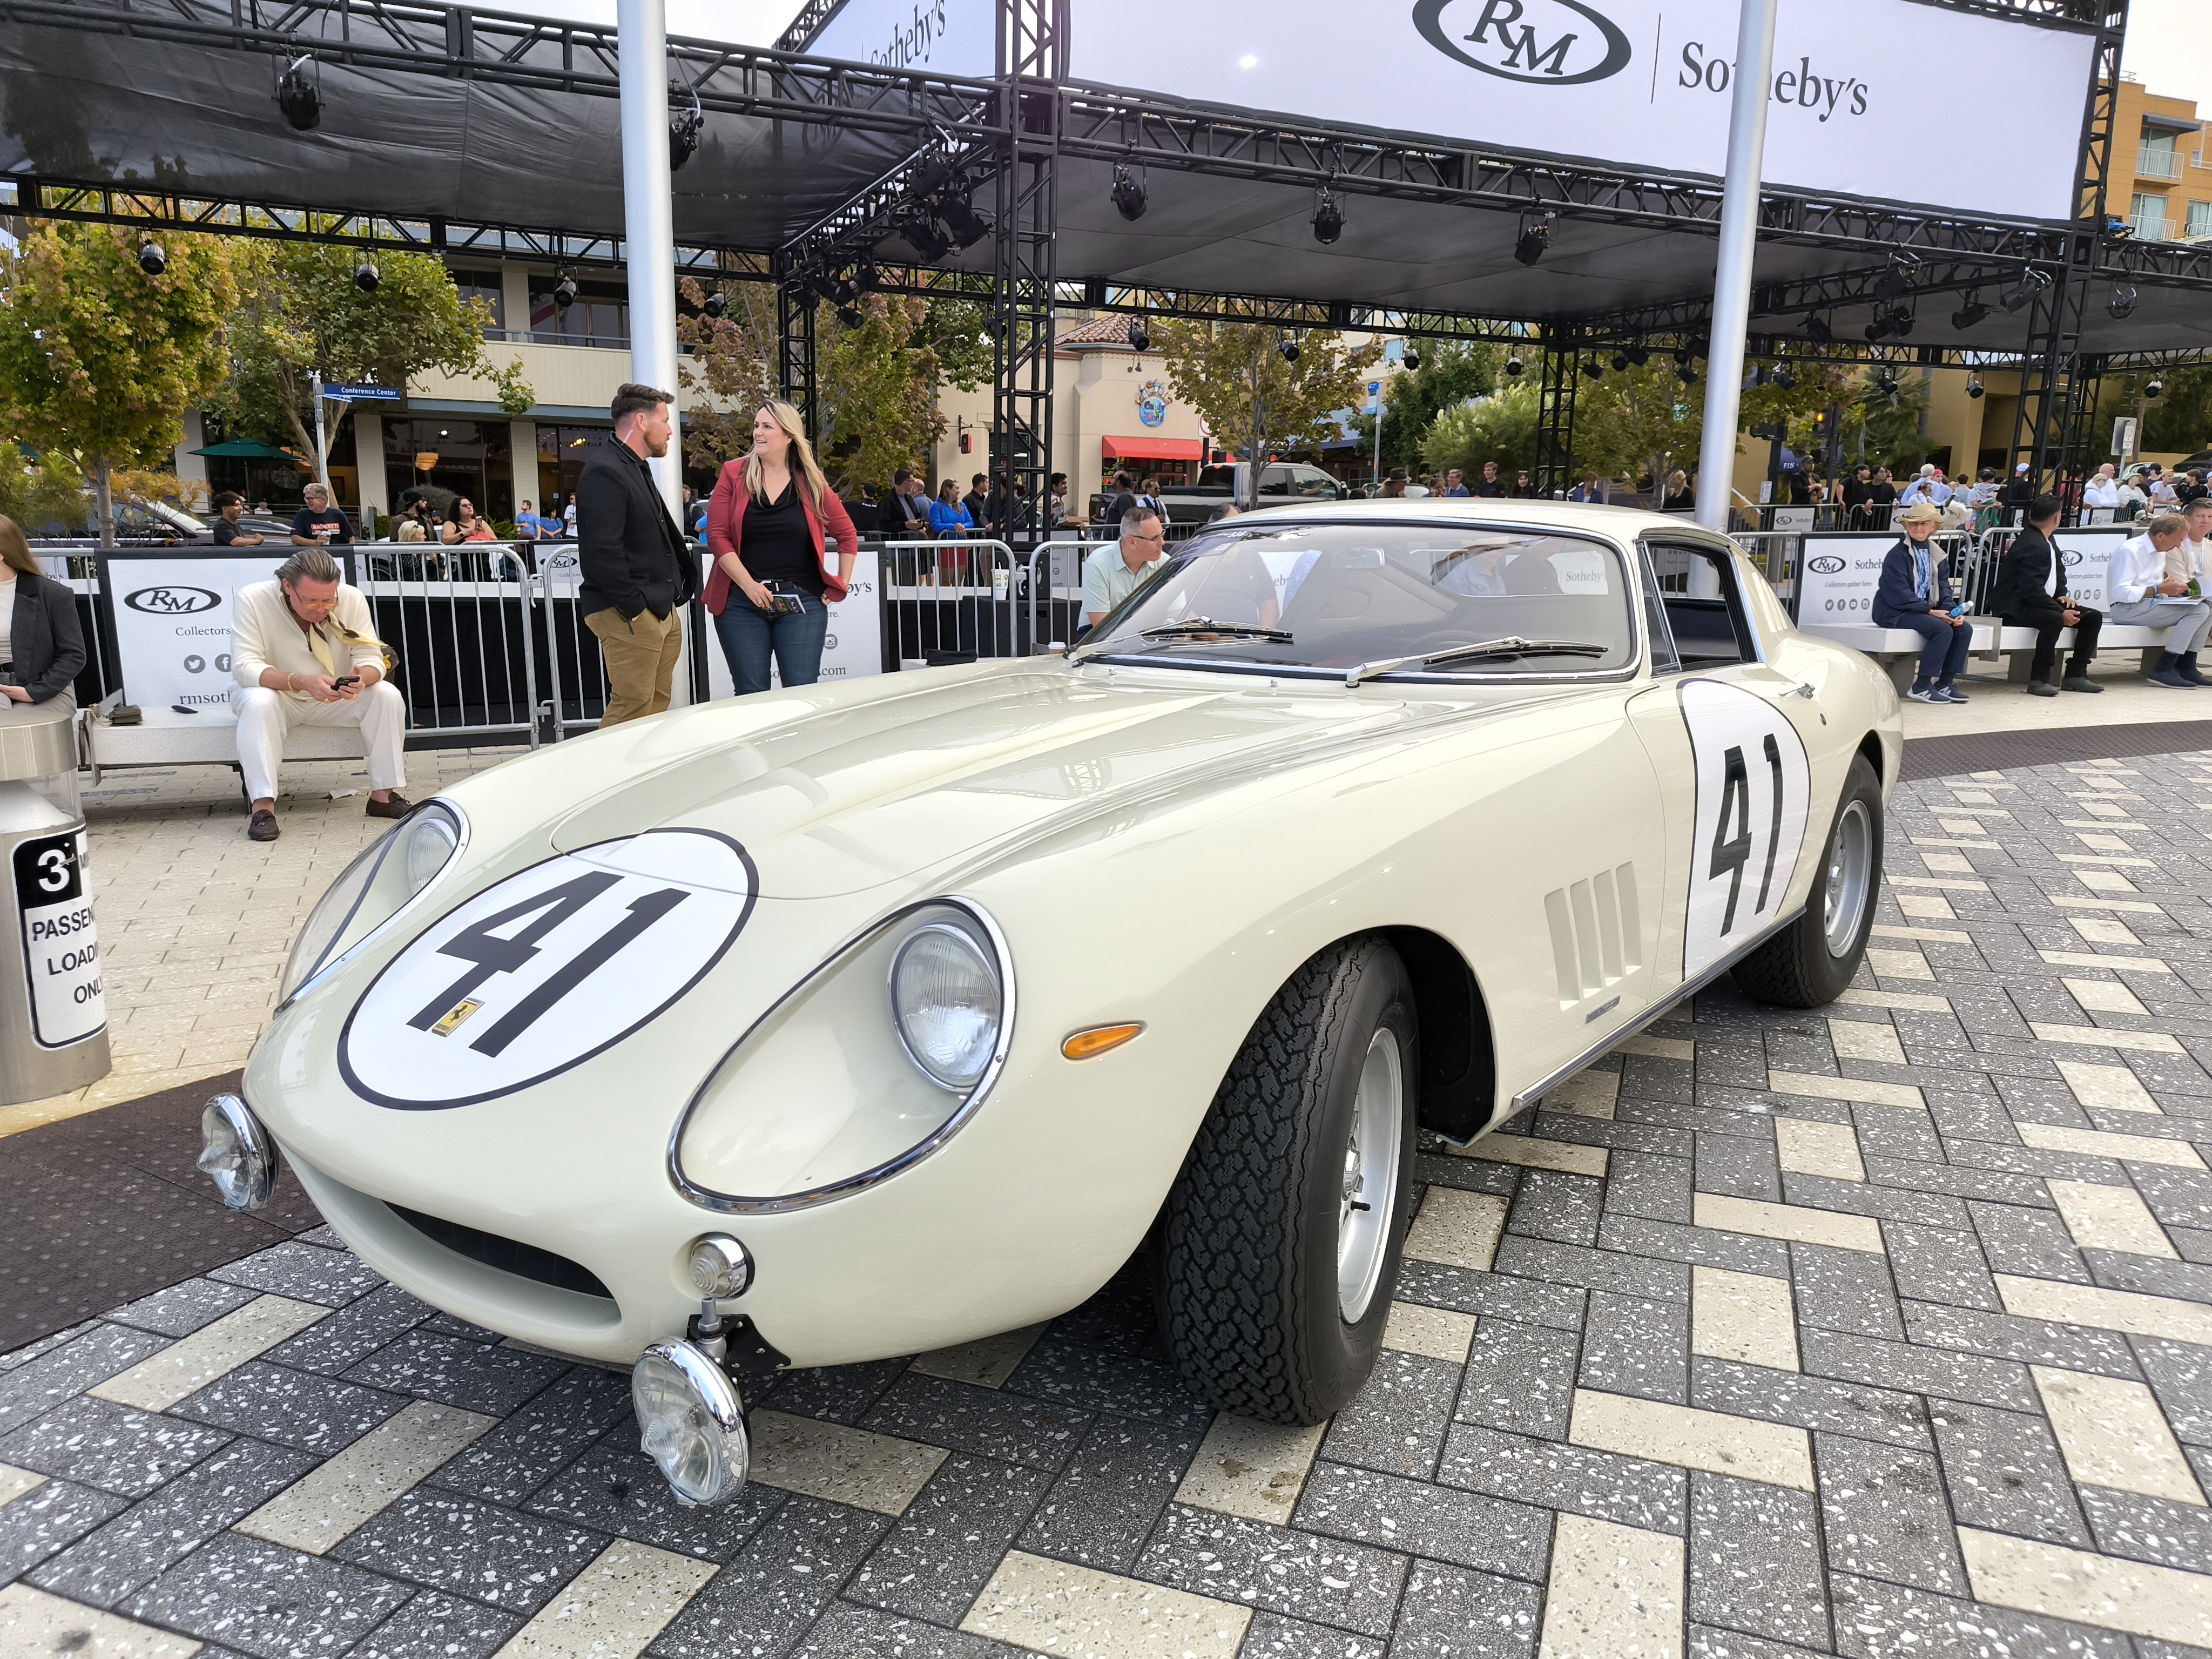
[(1434, 600)]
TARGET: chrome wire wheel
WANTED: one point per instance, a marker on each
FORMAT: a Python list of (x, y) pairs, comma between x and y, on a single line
[(1369, 1192), (1850, 878)]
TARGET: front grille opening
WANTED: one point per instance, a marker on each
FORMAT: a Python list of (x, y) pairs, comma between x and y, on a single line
[(509, 1255)]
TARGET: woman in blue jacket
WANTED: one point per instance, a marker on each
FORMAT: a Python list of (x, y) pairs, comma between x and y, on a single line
[(1915, 593), (947, 518)]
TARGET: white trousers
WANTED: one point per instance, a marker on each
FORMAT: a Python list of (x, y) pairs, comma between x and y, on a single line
[(264, 717)]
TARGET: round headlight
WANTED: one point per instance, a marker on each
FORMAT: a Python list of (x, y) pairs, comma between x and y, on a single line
[(945, 998), (236, 1153), (690, 1422), (372, 891)]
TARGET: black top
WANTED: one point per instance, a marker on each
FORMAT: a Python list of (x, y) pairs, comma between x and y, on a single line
[(1882, 493), (1487, 487), (305, 523), (47, 645), (1679, 502), (1120, 504), (978, 505), (628, 550), (775, 544), (226, 532), (2027, 564), (866, 516)]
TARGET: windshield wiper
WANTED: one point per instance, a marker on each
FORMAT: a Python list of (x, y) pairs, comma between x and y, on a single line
[(1511, 646), (1202, 625)]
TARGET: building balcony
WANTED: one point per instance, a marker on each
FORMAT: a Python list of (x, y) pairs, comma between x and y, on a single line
[(2148, 228), (2161, 163)]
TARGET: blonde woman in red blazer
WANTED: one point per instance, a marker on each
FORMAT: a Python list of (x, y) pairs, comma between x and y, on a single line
[(768, 527)]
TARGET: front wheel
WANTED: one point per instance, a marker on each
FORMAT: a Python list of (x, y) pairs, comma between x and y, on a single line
[(1811, 962), (1280, 1240)]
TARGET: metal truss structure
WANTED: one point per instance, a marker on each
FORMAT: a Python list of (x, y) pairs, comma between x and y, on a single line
[(1024, 305), (1559, 373)]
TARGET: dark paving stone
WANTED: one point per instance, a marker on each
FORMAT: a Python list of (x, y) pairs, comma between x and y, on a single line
[(115, 1447), (1596, 1270), (1113, 1491), (1396, 1422), (1519, 1377), (1119, 1315), (1636, 1346), (1095, 1379), (1704, 1641), (1754, 1560), (1325, 1581), (293, 1409), (1739, 1166), (847, 1632), (434, 1626), (2180, 1375), (1013, 1428), (942, 1551), (353, 1332), (2179, 1197), (1437, 1285), (1703, 1247), (46, 1520), (1271, 1636), (770, 1596), (1880, 1620), (1449, 1613), (303, 1272), (141, 1542), (512, 1561), (513, 1461), (183, 1308), (835, 1394), (616, 1488), (2005, 1474), (1465, 1173), (1552, 1205), (1886, 1514), (1599, 1483), (2036, 1342), (2145, 1528), (454, 1372), (262, 1600), (1845, 1291), (2115, 1270), (1648, 1185), (2001, 1383), (1425, 1519), (63, 1372), (1810, 1402), (1934, 1264)]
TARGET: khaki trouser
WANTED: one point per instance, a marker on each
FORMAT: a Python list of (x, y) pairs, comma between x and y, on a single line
[(640, 655)]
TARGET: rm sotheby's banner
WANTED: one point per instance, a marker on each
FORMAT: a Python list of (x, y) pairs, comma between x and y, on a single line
[(1857, 108), (172, 627)]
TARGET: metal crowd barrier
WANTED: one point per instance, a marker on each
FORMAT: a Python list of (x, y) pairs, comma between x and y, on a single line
[(461, 621), (950, 601)]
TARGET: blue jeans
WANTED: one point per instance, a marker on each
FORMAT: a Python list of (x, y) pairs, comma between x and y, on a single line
[(749, 634), (1946, 648)]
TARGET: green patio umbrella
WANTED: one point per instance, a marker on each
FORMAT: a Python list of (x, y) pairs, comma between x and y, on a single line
[(249, 449)]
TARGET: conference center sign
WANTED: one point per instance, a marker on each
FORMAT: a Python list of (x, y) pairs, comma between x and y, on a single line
[(1863, 101)]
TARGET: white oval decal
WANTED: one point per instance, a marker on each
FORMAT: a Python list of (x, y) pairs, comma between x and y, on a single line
[(1754, 797), (544, 970)]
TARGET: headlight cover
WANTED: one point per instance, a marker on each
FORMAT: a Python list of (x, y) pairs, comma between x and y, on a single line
[(374, 888), (833, 1091)]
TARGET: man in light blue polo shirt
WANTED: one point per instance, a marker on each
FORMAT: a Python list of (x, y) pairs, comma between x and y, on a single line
[(1114, 572)]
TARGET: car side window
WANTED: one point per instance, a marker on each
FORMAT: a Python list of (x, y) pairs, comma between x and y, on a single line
[(1275, 481), (1665, 660), (1704, 607)]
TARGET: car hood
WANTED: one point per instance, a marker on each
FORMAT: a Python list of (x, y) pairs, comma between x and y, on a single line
[(915, 777)]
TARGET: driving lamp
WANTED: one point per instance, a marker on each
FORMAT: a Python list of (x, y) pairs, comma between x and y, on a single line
[(372, 890), (944, 996), (690, 1423), (237, 1154), (720, 1269)]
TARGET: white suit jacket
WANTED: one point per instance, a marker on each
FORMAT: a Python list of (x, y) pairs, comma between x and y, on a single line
[(265, 635)]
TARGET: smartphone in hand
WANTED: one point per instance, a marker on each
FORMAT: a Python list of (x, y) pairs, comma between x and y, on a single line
[(343, 681)]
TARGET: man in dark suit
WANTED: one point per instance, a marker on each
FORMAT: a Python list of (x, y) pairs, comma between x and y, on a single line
[(637, 572), (2030, 592)]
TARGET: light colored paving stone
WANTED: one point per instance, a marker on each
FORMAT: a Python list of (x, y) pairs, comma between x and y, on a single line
[(1948, 883), (2101, 996), (1865, 1039), (2094, 959), (1746, 1317), (2101, 1143), (15, 1482), (869, 1471), (34, 1625), (1814, 1085), (1659, 1047), (1529, 1153), (1458, 1228), (1586, 1094), (986, 1362), (1898, 964), (1929, 907), (1253, 1469), (2141, 1042), (2104, 930), (1050, 1607), (2134, 907), (2110, 1310), (2105, 881), (1933, 935), (614, 1607), (2109, 1218), (1789, 1221), (1950, 864), (1819, 1149), (1615, 1592), (216, 1349), (339, 1498), (1918, 1001), (2108, 1088), (1439, 1333), (2112, 1433), (2160, 1602), (1776, 1454)]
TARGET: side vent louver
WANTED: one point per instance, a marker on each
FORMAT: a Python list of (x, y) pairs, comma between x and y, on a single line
[(1596, 934)]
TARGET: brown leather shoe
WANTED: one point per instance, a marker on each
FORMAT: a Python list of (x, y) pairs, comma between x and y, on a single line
[(262, 826), (398, 807)]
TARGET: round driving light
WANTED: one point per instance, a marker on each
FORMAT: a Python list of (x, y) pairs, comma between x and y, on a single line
[(431, 840), (237, 1154), (945, 999), (720, 1266), (691, 1425)]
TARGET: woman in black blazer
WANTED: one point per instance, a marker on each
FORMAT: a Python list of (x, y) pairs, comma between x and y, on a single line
[(43, 649)]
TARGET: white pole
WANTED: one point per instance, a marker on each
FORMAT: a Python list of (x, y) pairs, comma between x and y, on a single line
[(1378, 443), (1755, 68), (648, 216), (322, 443)]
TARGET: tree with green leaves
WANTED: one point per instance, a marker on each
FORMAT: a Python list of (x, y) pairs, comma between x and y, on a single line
[(1452, 371), (46, 499), (1884, 421), (302, 313), (1238, 377), (2178, 421), (1500, 427), (1646, 421), (100, 359)]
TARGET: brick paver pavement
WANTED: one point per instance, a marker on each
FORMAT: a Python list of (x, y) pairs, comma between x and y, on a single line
[(1884, 1329)]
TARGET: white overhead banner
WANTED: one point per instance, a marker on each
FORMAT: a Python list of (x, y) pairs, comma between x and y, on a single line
[(1868, 99), (938, 37)]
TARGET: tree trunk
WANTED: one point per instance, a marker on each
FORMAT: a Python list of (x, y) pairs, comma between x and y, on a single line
[(307, 443), (104, 495)]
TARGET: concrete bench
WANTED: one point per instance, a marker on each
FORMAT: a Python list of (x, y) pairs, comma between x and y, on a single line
[(168, 738), (1898, 649)]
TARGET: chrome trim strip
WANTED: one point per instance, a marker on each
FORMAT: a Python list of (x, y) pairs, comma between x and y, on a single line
[(732, 1204), (329, 964), (1648, 1016)]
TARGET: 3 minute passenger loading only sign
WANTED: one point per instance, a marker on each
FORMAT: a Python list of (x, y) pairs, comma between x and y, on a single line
[(61, 949)]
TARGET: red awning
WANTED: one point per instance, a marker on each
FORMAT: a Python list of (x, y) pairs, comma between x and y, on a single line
[(1152, 449)]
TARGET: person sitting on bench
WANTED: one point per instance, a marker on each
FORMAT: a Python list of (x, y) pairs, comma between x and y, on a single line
[(1913, 592), (2147, 593), (2030, 593)]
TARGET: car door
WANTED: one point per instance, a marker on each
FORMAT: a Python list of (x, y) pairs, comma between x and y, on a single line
[(1732, 734)]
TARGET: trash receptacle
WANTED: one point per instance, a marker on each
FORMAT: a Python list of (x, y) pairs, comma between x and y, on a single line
[(53, 1011)]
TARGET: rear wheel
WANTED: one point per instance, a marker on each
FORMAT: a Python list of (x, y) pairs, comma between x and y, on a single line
[(1280, 1241), (1811, 962)]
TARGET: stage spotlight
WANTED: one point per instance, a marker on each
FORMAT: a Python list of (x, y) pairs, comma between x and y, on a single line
[(1818, 331), (834, 290), (866, 279), (715, 303), (2122, 300), (968, 227), (1682, 354), (1620, 362), (1595, 369), (850, 316), (152, 260), (922, 233), (1289, 349), (564, 292), (684, 130), (1129, 193), (1140, 338), (365, 277), (1879, 328), (1893, 282), (1514, 368), (2155, 389), (1686, 375), (1701, 348), (1411, 358), (1970, 312), (1327, 215), (300, 95), (1639, 355), (1782, 377), (2031, 282), (1536, 236), (1901, 322), (1974, 386)]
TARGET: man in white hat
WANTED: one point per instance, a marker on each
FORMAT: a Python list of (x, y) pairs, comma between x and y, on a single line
[(1913, 592)]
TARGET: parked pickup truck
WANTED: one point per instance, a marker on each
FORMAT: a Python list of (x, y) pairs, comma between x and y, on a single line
[(1189, 505)]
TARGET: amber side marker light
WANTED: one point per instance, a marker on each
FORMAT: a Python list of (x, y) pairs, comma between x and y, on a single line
[(1084, 1045)]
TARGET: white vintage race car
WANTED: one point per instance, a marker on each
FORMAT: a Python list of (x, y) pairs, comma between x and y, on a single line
[(862, 1019)]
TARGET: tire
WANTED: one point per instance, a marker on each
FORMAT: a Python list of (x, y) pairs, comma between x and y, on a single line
[(1261, 1316), (1809, 964)]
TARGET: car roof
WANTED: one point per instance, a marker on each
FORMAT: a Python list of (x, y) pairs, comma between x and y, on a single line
[(1619, 523)]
